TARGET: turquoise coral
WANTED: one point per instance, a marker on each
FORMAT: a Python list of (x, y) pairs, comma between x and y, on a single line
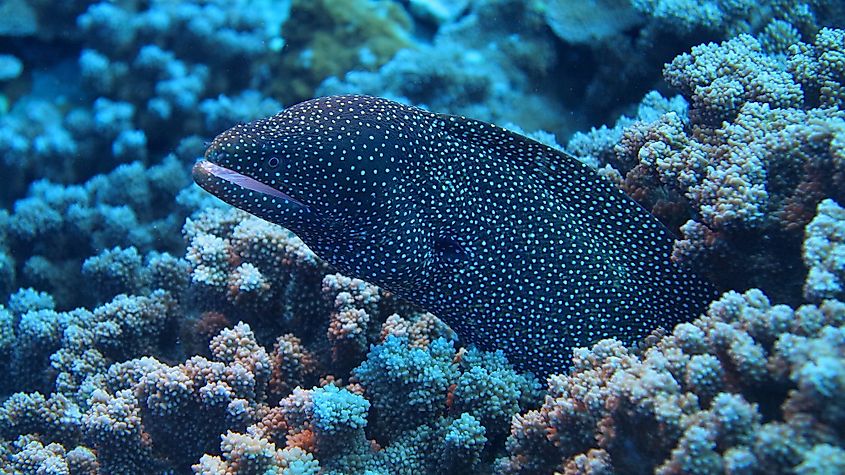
[(407, 386), (687, 424), (824, 253), (730, 17)]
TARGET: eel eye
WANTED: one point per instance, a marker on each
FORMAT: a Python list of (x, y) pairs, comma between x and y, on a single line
[(273, 162)]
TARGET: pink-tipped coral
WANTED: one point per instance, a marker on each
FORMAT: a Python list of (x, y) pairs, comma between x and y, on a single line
[(354, 303), (748, 383)]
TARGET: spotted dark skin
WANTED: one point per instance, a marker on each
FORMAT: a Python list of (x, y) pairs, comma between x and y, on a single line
[(516, 245)]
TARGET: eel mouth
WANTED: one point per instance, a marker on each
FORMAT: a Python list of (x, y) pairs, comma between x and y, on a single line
[(204, 170)]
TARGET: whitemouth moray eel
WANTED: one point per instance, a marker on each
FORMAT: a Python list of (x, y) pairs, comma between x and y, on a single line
[(517, 246)]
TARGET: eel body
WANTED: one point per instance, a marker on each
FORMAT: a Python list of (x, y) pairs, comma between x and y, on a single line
[(517, 246)]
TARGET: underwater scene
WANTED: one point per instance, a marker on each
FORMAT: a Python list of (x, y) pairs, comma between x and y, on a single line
[(386, 237)]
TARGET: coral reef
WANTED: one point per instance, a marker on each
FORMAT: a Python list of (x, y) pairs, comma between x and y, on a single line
[(824, 253), (748, 384), (478, 66), (148, 77), (146, 328), (753, 154), (168, 61), (250, 270), (591, 22), (112, 394), (52, 230), (142, 415), (329, 37), (731, 17)]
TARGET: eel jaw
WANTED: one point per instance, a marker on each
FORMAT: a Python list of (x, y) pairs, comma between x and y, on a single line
[(218, 180)]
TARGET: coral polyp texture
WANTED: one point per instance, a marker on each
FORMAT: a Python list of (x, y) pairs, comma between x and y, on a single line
[(741, 169), (749, 384), (148, 328)]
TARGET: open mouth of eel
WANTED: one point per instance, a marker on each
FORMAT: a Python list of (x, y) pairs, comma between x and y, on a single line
[(204, 169)]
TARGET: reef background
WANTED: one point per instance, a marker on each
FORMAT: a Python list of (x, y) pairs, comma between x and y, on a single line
[(147, 328)]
